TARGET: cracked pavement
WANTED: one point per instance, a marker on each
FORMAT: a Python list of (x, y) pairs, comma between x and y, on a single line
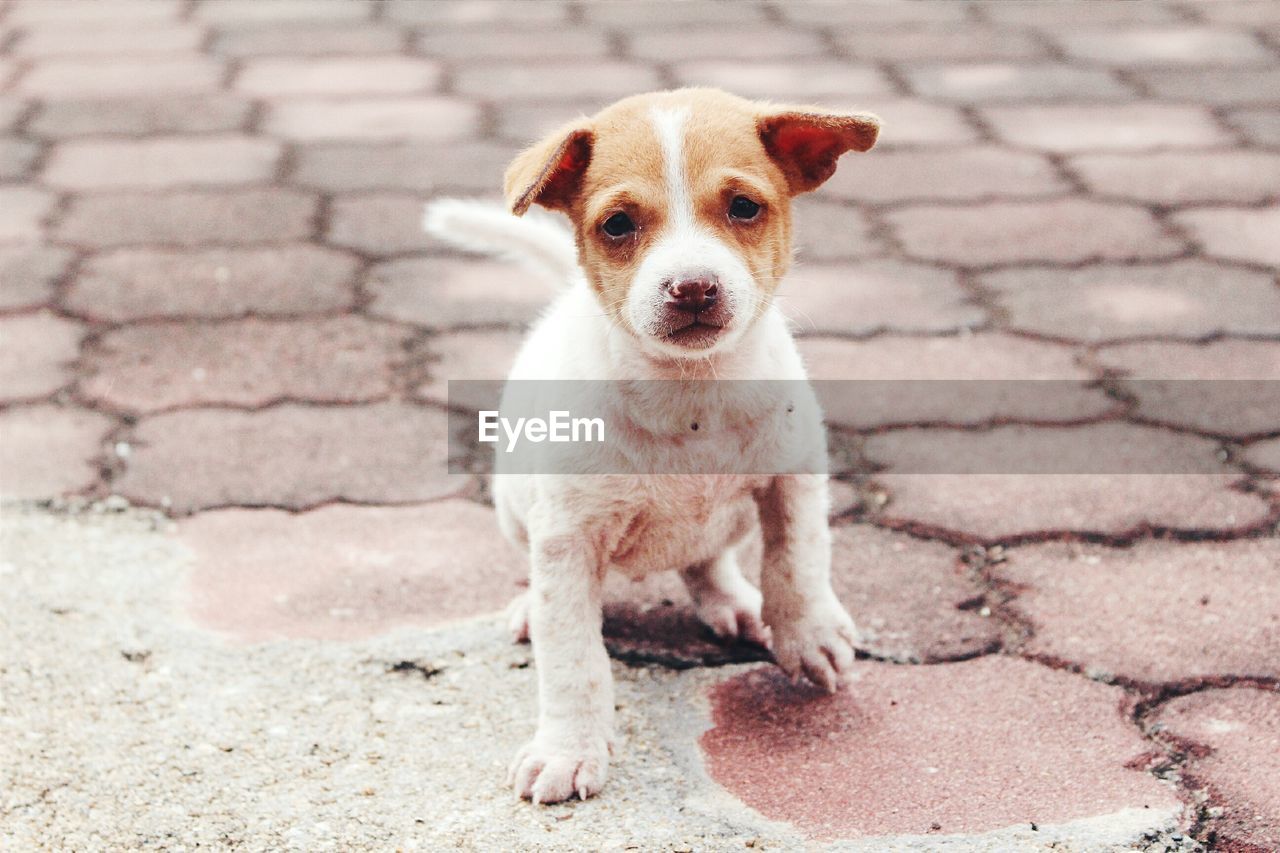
[(246, 605)]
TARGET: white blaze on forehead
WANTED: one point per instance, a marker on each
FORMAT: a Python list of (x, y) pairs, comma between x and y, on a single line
[(669, 124)]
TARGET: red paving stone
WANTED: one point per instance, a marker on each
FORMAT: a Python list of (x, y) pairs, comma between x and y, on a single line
[(421, 166), (189, 218), (305, 38), (1016, 482), (1265, 454), (48, 451), (1183, 299), (146, 368), (1106, 127), (257, 12), (1009, 743), (16, 158), (916, 122), (939, 386), (378, 223), (1240, 729), (1219, 86), (1230, 407), (1155, 612), (813, 80), (830, 230), (291, 456), (940, 43), (36, 355), (479, 12), (1238, 177), (1259, 126), (163, 162), (329, 76), (1237, 234), (969, 173), (980, 82), (21, 211), (139, 116), (116, 77), (383, 117), (507, 43), (107, 38), (761, 42), (875, 295), (135, 284), (478, 354), (27, 274), (443, 293), (81, 12), (556, 78), (1164, 46), (1069, 230), (345, 572)]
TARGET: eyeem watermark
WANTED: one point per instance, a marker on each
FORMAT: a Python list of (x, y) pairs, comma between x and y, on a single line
[(557, 427)]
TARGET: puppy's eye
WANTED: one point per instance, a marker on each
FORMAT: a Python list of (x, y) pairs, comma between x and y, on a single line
[(618, 225), (743, 208)]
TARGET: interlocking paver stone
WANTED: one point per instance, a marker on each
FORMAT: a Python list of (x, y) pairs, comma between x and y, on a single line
[(47, 451), (555, 79), (872, 15), (1068, 13), (27, 274), (1066, 231), (1225, 86), (474, 354), (188, 218), (472, 44), (21, 210), (970, 379), (915, 122), (328, 76), (1054, 745), (479, 12), (1185, 299), (252, 362), (1238, 764), (261, 11), (1183, 178), (1206, 392), (16, 157), (1259, 126), (968, 173), (1265, 454), (62, 77), (718, 42), (446, 292), (108, 38), (839, 83), (1159, 611), (870, 296), (1068, 128), (305, 38), (655, 13), (939, 43), (291, 456), (996, 81), (1238, 234), (1164, 46), (378, 223), (135, 284), (36, 352), (1014, 482), (141, 116), (828, 230), (426, 167), (343, 572), (423, 117), (84, 12), (11, 109), (162, 162)]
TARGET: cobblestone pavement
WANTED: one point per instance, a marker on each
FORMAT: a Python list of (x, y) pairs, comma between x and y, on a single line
[(245, 605)]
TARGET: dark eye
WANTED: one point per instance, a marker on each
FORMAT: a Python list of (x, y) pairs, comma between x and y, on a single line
[(743, 208), (618, 225)]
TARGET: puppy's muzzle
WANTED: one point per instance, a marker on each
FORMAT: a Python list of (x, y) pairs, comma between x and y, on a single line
[(693, 295)]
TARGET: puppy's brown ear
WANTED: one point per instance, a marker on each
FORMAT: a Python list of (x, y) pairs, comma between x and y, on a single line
[(550, 172), (806, 143)]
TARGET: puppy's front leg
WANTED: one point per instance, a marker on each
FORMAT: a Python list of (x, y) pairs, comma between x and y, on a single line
[(569, 752), (812, 633)]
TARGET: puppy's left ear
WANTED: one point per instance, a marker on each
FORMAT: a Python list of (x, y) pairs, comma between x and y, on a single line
[(550, 172), (806, 144)]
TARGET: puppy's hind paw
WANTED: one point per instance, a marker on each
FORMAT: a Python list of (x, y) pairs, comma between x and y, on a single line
[(552, 773), (518, 618)]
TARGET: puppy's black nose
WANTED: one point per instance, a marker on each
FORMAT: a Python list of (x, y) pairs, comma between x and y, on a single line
[(692, 294)]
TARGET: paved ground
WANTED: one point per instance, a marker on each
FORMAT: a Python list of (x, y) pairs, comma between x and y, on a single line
[(244, 605)]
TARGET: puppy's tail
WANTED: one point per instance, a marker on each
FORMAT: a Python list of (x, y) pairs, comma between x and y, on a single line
[(538, 243)]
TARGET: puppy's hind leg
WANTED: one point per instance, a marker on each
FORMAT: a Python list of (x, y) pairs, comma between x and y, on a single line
[(726, 602)]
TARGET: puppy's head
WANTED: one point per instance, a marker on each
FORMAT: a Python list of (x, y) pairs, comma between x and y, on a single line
[(681, 205)]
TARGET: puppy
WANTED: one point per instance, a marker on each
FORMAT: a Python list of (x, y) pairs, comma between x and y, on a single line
[(680, 208)]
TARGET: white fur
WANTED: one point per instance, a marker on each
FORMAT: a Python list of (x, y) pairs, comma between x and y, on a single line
[(576, 528)]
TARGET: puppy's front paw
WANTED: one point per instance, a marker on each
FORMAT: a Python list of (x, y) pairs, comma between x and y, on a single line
[(549, 771), (818, 645), (733, 614)]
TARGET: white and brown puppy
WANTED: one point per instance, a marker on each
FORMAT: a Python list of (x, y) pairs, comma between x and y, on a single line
[(680, 206)]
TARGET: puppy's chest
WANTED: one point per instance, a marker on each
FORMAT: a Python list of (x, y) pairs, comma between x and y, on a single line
[(671, 522)]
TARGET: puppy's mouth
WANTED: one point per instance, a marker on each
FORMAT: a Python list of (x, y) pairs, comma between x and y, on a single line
[(700, 332)]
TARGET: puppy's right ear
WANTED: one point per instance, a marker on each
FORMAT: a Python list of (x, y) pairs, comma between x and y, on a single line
[(549, 173)]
